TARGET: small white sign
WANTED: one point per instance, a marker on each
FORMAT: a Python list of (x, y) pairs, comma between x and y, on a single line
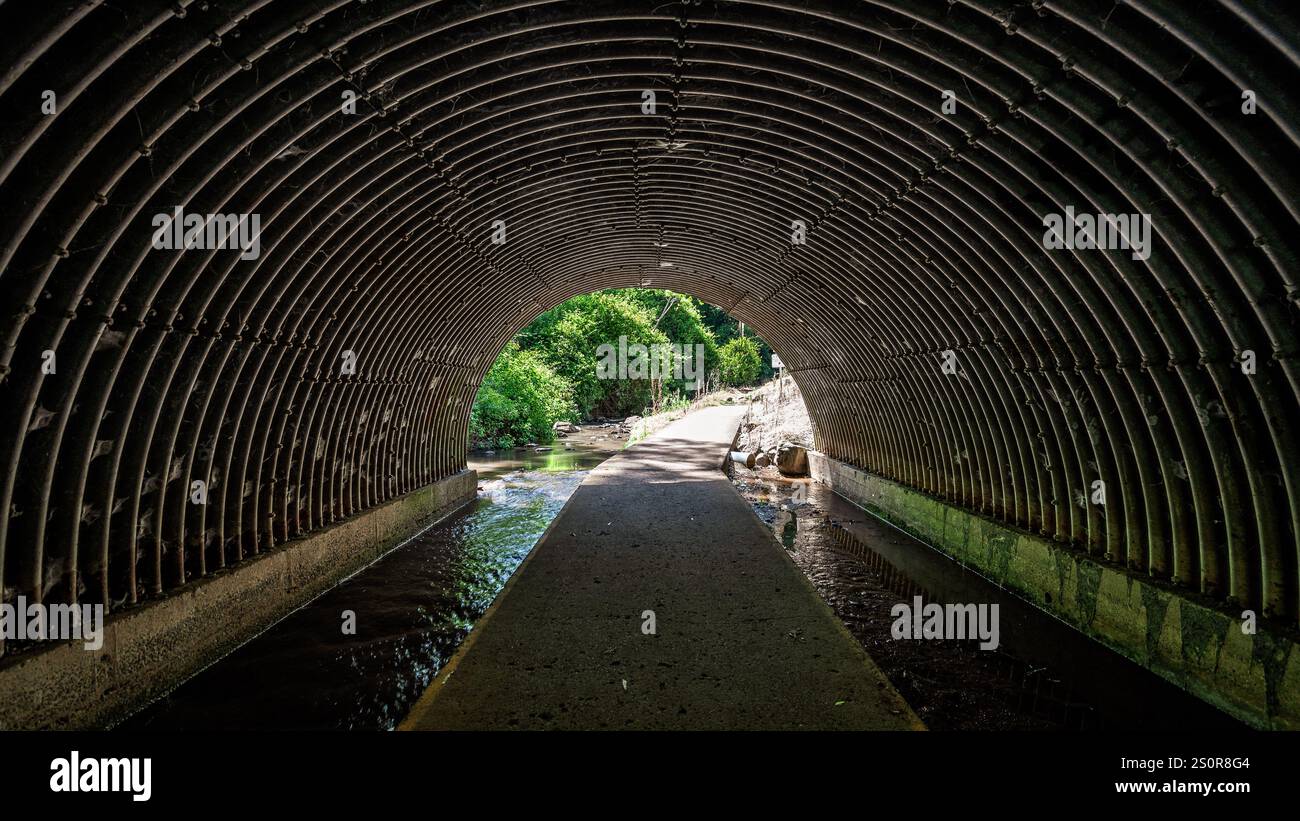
[(776, 362)]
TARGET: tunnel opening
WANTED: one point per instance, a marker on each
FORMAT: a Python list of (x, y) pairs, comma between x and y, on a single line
[(611, 356)]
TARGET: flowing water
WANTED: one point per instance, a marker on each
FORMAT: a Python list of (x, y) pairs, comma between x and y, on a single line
[(412, 610)]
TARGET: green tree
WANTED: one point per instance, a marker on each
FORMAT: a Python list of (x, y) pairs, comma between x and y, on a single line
[(520, 401), (739, 361), (680, 318), (572, 339), (570, 334), (725, 328)]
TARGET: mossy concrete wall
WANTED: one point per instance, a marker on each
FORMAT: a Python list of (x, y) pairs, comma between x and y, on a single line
[(1191, 641), (150, 649)]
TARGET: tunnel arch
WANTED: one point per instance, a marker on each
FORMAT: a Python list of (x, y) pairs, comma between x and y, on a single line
[(924, 236)]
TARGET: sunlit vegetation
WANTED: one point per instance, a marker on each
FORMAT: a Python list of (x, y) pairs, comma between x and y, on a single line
[(548, 372), (740, 362)]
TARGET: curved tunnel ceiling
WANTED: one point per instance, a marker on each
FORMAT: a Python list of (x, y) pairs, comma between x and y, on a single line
[(925, 234)]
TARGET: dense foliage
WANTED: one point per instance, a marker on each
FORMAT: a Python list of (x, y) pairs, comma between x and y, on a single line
[(726, 329), (569, 335), (519, 401), (739, 361), (549, 371)]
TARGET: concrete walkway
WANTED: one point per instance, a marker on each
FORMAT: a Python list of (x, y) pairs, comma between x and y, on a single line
[(741, 639)]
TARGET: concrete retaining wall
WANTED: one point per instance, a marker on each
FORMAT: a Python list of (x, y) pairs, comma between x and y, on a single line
[(1195, 643), (150, 649)]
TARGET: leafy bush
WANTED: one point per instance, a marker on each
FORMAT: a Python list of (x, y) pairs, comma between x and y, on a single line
[(520, 400), (739, 362), (569, 336), (726, 328)]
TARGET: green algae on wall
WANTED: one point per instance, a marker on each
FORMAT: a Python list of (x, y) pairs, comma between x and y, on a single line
[(1189, 641)]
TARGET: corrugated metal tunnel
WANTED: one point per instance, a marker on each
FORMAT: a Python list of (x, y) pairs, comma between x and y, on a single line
[(382, 144)]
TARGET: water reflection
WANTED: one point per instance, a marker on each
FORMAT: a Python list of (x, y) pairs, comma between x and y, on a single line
[(412, 608), (1045, 676)]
